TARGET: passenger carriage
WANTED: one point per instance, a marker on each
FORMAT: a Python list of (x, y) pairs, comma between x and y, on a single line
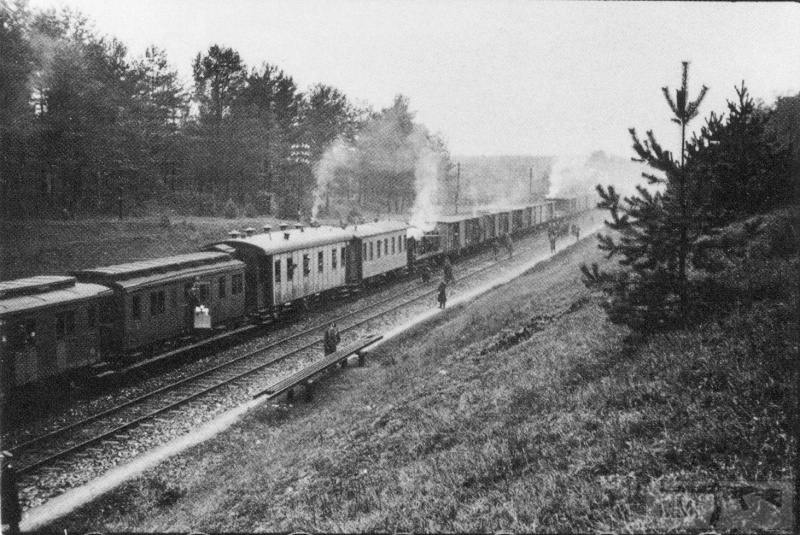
[(293, 264), (380, 249), (152, 297), (49, 326)]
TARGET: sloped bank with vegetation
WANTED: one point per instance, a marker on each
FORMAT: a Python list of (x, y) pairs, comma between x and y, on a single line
[(524, 410)]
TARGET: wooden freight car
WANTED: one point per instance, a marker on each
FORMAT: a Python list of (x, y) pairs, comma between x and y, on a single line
[(51, 326), (460, 233), (153, 301)]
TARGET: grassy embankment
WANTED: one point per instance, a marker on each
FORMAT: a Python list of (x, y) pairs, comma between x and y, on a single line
[(472, 423)]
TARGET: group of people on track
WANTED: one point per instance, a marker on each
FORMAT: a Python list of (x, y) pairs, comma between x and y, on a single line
[(554, 231), (558, 230)]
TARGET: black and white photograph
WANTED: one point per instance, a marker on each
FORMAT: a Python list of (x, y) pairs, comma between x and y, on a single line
[(399, 266)]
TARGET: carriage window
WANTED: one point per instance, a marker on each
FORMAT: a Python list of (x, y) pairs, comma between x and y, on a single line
[(386, 246), (378, 243), (277, 271), (392, 244), (333, 258), (136, 307), (156, 303), (320, 261), (370, 250), (91, 316), (221, 284), (289, 269), (342, 256), (306, 265), (236, 284), (65, 324)]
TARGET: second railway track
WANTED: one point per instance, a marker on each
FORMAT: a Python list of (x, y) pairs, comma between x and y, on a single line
[(72, 454)]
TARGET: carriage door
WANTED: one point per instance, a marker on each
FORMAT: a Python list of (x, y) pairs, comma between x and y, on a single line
[(269, 281), (24, 364), (65, 337), (354, 266), (250, 288), (188, 307)]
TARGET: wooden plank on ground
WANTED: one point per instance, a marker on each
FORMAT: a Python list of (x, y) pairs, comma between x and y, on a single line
[(317, 367)]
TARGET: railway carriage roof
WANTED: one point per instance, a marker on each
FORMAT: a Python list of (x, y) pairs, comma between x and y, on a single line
[(379, 227), (275, 243), (456, 218), (181, 274), (33, 293), (153, 266), (160, 270)]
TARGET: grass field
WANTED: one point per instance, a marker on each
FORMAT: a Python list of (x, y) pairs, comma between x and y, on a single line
[(524, 410)]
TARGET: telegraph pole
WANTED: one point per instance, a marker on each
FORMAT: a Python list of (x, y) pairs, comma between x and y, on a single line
[(458, 182), (530, 183)]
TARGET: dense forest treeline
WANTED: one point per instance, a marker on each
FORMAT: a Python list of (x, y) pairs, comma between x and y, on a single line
[(86, 129)]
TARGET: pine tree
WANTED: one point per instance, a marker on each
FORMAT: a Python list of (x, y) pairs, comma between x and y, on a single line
[(656, 228), (738, 165)]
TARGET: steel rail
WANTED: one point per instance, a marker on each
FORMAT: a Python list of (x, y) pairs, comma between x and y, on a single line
[(173, 386)]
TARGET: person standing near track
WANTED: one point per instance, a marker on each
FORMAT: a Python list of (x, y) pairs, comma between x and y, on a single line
[(442, 296), (331, 339), (447, 270), (509, 244), (495, 248)]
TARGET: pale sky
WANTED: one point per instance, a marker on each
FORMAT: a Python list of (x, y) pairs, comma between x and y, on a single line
[(492, 77)]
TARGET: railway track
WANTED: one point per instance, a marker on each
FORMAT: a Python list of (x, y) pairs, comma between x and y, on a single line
[(108, 435)]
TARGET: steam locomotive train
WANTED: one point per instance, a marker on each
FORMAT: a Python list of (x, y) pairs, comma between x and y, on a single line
[(74, 325)]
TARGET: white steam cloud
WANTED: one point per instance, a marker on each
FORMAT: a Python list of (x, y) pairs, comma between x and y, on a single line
[(426, 184), (580, 174), (339, 155), (393, 164)]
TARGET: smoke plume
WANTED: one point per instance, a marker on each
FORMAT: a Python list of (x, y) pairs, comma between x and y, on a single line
[(338, 156), (394, 164), (580, 174)]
